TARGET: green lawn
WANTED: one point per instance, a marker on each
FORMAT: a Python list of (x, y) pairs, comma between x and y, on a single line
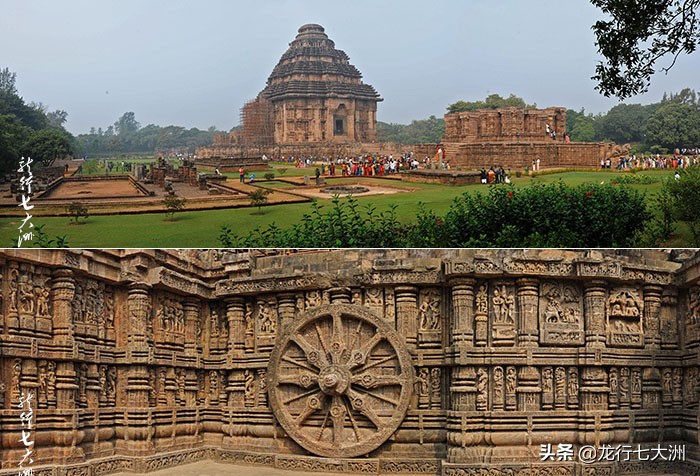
[(201, 228)]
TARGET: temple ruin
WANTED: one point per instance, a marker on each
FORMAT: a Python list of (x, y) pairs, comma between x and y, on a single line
[(515, 137), (437, 362), (314, 100)]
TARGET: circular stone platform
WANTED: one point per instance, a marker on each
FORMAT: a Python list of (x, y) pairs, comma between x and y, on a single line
[(344, 189)]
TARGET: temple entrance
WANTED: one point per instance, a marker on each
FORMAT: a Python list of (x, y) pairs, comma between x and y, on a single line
[(338, 125)]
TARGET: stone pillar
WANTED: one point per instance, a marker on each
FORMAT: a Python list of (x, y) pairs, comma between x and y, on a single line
[(594, 389), (463, 312), (463, 389), (137, 387), (528, 301), (340, 295), (670, 337), (191, 309), (407, 307), (651, 388), (66, 386), (594, 312), (529, 390), (652, 316), (235, 314), (62, 294), (138, 304), (287, 308)]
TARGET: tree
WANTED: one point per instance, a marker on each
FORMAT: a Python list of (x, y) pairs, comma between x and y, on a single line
[(46, 146), (57, 118), (639, 34), (258, 198), (126, 124), (493, 101), (77, 211), (624, 123), (674, 125), (173, 205), (8, 81), (583, 129), (684, 194)]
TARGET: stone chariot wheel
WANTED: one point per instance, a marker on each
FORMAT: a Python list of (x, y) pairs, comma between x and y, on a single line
[(340, 381)]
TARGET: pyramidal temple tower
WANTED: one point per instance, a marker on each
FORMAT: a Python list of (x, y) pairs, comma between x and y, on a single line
[(313, 96)]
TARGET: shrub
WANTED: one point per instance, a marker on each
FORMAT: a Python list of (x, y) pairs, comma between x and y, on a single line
[(173, 205), (684, 194), (552, 215), (77, 210), (258, 198), (269, 176)]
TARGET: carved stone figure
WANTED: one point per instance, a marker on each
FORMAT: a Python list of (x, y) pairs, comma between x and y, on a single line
[(267, 318), (547, 388), (510, 388), (435, 388), (498, 390), (482, 384), (482, 303), (614, 388), (249, 388), (16, 389), (560, 387), (573, 388), (429, 311)]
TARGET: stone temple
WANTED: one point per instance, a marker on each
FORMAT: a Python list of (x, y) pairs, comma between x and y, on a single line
[(434, 362), (314, 98)]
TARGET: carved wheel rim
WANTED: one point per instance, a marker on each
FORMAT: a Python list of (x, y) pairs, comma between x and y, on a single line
[(340, 381)]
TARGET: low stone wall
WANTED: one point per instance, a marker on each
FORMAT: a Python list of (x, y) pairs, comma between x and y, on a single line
[(513, 155), (204, 154), (445, 177)]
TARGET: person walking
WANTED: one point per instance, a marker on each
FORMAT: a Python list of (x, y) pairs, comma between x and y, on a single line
[(241, 173)]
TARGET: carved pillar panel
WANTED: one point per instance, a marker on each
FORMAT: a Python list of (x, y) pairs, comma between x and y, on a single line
[(340, 295), (66, 386), (139, 308), (236, 389), (594, 312), (407, 307), (481, 316), (191, 308), (669, 319), (62, 293), (286, 304), (652, 390), (463, 312), (528, 300), (652, 316), (529, 390), (463, 389), (235, 314), (594, 389)]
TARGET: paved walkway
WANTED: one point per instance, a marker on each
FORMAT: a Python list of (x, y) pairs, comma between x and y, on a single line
[(209, 468)]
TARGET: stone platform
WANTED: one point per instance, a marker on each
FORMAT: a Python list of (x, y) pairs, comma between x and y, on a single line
[(445, 177)]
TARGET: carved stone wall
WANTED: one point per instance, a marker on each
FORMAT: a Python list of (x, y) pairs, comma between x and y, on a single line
[(374, 361)]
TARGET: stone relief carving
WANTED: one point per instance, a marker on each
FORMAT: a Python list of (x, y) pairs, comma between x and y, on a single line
[(624, 313), (561, 314), (503, 312)]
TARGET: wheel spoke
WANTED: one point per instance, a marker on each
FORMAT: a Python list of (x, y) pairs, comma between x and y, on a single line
[(304, 379), (355, 337), (312, 355), (299, 397), (313, 403), (380, 397), (352, 420), (360, 356), (338, 418), (337, 341), (369, 380), (361, 405), (378, 362), (298, 364)]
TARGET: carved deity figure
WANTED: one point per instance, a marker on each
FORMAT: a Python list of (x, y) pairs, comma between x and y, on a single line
[(510, 381), (547, 377), (262, 388), (249, 388), (482, 300), (552, 313), (614, 384), (111, 386), (498, 396), (214, 323), (667, 383), (26, 298), (435, 386), (12, 284), (573, 386), (498, 303), (560, 384), (482, 384), (16, 390), (694, 306), (266, 317), (313, 299), (51, 383), (214, 385), (636, 381), (42, 301), (429, 311), (624, 385), (373, 296)]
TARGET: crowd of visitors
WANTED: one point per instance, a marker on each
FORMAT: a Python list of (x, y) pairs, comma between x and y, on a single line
[(681, 158)]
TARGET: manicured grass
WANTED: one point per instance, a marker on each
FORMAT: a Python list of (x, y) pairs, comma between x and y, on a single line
[(201, 228)]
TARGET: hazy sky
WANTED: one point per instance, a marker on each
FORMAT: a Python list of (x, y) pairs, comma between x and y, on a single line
[(195, 63)]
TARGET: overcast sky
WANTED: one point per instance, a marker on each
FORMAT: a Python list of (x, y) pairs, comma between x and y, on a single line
[(195, 63)]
